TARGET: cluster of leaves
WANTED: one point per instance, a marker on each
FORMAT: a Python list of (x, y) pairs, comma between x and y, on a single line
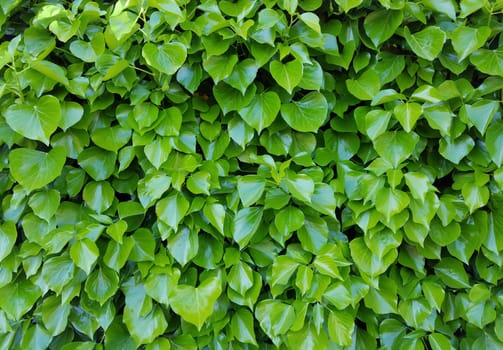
[(298, 174)]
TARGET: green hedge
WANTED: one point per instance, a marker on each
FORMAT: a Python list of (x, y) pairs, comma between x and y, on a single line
[(292, 174)]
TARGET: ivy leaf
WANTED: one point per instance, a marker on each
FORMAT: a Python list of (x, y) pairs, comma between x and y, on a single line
[(494, 139), (396, 146), (465, 40), (381, 25), (306, 115), (488, 61), (84, 254), (341, 327), (275, 317), (262, 110), (19, 297), (167, 58), (35, 169), (195, 304), (102, 284), (8, 237), (36, 120), (287, 75), (246, 223), (347, 5), (366, 86), (145, 328), (426, 43)]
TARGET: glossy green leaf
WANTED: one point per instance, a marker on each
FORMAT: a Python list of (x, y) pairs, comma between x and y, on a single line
[(494, 138), (307, 114), (36, 120), (381, 25), (84, 254), (396, 146), (262, 110), (102, 284), (35, 169), (465, 40), (167, 58), (426, 43), (275, 317), (287, 75), (245, 224), (195, 304), (18, 298)]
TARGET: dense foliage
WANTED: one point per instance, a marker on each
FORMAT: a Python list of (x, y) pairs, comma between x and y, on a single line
[(296, 174)]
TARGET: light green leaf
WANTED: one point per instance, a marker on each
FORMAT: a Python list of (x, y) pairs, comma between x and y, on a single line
[(167, 58), (98, 196), (123, 25), (98, 163), (262, 110), (341, 325), (250, 189), (306, 115), (447, 7), (243, 75), (71, 114), (172, 209), (195, 305), (426, 43), (347, 5), (184, 245), (35, 169), (8, 237), (390, 202), (57, 272), (36, 120), (287, 75), (488, 61), (439, 342), (396, 146), (381, 25), (242, 327), (481, 113), (275, 317), (311, 20), (102, 284), (220, 67), (366, 86), (145, 328), (111, 138), (84, 254), (51, 70), (301, 186), (369, 263), (246, 223), (452, 273), (407, 114), (456, 150), (494, 142), (465, 40), (19, 297)]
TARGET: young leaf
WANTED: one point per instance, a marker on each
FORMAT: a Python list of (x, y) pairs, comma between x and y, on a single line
[(306, 115), (195, 304), (36, 120), (426, 43), (35, 169)]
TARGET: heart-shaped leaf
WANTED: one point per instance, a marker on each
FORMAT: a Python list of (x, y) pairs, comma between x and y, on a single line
[(308, 114), (36, 120), (35, 169), (167, 58), (287, 75), (195, 304)]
